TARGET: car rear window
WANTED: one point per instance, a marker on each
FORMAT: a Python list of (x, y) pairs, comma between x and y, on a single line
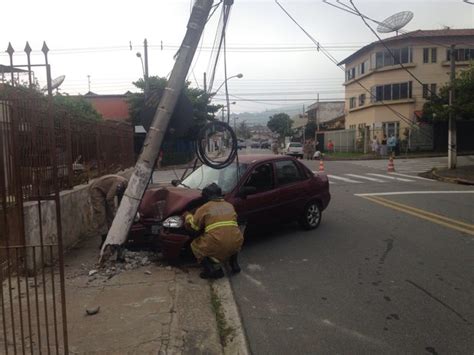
[(295, 145), (287, 172)]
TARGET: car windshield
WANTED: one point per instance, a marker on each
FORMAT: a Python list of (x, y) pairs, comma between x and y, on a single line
[(226, 178)]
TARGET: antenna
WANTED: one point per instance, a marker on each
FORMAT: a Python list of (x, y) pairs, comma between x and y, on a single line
[(395, 22), (56, 83)]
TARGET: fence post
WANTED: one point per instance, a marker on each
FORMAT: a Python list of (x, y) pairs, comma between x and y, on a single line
[(97, 144), (70, 170)]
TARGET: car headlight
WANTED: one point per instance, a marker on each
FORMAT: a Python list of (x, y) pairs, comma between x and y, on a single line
[(173, 222), (137, 217)]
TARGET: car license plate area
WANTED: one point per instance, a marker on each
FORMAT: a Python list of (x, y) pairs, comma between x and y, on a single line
[(155, 229)]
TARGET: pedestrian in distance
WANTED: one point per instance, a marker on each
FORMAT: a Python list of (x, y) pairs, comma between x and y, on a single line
[(103, 194), (391, 143), (312, 149), (306, 150), (375, 146), (220, 238), (330, 146), (383, 145)]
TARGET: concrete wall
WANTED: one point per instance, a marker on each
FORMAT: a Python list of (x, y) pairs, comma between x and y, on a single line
[(76, 221)]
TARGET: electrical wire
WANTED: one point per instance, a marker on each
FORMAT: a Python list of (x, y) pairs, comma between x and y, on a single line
[(202, 140), (332, 59)]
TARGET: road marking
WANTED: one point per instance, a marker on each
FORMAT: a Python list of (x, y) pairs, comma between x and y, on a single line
[(344, 179), (429, 216), (411, 176), (365, 177), (415, 193), (390, 177)]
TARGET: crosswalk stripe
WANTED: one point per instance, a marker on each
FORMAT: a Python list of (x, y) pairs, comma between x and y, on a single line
[(344, 179), (390, 177), (411, 176), (365, 177)]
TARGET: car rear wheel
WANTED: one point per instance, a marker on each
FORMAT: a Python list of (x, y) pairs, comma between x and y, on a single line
[(312, 216)]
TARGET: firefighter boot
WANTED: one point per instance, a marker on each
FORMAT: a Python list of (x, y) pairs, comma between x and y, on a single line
[(234, 264), (211, 270)]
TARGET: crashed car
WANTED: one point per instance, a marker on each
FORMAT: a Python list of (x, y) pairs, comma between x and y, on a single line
[(264, 189)]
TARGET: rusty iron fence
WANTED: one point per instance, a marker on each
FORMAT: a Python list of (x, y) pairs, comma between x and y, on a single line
[(43, 150)]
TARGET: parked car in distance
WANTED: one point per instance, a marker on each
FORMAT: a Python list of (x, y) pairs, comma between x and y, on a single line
[(241, 144), (264, 189), (255, 145), (265, 145), (294, 149)]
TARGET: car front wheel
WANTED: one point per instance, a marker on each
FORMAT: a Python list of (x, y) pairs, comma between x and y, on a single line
[(311, 217)]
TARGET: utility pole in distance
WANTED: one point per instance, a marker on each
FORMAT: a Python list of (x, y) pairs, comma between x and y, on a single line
[(452, 144), (145, 53), (123, 220)]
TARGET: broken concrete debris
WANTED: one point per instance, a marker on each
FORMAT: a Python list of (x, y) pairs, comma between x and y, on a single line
[(93, 310)]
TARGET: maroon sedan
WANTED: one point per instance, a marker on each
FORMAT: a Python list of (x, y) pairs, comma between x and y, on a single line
[(264, 189)]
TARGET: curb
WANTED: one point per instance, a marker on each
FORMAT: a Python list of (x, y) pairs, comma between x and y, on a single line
[(451, 180), (237, 344)]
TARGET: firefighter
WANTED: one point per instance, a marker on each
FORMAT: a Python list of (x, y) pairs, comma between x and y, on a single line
[(102, 193), (220, 238)]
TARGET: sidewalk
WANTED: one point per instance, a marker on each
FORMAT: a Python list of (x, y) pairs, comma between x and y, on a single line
[(460, 175), (148, 309)]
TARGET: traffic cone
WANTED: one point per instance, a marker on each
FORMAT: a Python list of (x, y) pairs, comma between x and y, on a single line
[(391, 167), (321, 165)]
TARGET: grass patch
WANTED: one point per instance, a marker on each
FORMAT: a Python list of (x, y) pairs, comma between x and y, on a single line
[(224, 330)]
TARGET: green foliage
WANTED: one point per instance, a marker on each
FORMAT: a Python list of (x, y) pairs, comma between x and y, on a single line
[(280, 123), (203, 111), (243, 131), (77, 107), (463, 108), (310, 130)]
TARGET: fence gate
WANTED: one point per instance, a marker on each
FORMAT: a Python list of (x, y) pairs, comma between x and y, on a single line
[(32, 297)]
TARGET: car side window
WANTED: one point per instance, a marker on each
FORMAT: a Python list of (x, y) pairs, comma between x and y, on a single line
[(261, 178), (287, 172)]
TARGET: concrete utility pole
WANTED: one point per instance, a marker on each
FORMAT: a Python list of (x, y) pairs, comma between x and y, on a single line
[(146, 162), (452, 144)]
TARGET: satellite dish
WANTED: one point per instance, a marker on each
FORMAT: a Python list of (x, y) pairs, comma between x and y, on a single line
[(395, 22), (56, 83)]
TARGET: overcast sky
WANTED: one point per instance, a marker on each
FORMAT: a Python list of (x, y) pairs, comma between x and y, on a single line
[(92, 38)]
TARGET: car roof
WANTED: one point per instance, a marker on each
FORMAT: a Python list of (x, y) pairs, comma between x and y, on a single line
[(257, 158)]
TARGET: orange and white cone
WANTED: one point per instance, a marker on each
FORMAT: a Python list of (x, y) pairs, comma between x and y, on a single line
[(321, 165), (391, 167)]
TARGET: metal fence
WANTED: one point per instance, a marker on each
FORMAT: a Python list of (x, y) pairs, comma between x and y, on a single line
[(343, 141), (43, 151)]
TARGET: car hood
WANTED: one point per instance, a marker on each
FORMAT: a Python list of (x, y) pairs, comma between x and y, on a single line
[(162, 202)]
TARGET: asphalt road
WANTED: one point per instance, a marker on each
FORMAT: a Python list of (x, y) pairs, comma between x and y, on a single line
[(390, 273)]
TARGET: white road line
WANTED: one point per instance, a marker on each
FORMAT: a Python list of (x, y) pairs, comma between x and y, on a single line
[(415, 193), (344, 179), (411, 176), (365, 177), (389, 177)]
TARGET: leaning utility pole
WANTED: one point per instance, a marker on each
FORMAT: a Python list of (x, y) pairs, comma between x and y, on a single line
[(452, 145), (144, 167)]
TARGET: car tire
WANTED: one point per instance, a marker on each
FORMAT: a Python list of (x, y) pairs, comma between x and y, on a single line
[(312, 216)]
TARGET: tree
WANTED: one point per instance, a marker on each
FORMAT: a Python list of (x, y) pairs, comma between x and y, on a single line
[(310, 130), (280, 124), (203, 110), (76, 106), (243, 131), (437, 108)]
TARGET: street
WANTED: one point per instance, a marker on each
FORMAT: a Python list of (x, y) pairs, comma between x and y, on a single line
[(389, 270)]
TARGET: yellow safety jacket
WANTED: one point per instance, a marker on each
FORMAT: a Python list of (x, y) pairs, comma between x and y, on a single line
[(221, 236)]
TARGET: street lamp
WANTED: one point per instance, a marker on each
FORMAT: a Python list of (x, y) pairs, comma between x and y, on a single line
[(239, 76)]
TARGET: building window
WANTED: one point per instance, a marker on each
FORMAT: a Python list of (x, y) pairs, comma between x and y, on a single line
[(434, 55), (398, 91), (362, 68), (352, 126), (393, 57), (362, 100), (461, 54), (425, 91), (391, 128), (426, 55), (433, 89), (352, 102)]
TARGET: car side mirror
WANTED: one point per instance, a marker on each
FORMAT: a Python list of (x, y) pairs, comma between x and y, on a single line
[(247, 190), (175, 182)]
